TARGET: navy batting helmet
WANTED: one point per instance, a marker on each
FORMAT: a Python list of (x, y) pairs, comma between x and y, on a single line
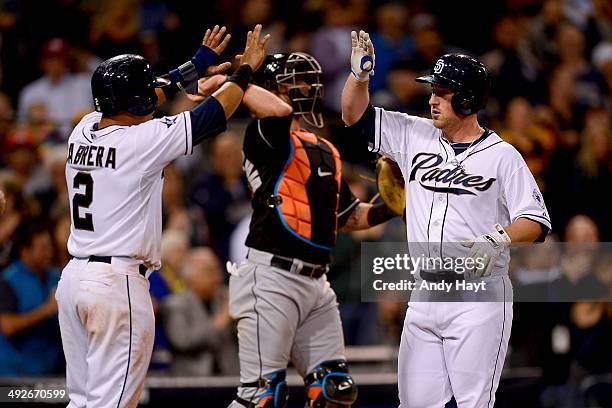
[(125, 83), (299, 76), (467, 77)]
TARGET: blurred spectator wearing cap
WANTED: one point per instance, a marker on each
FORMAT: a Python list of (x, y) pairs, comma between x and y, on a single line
[(391, 41), (29, 335), (197, 321), (58, 94)]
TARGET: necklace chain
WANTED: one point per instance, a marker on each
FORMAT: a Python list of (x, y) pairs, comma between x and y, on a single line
[(458, 163)]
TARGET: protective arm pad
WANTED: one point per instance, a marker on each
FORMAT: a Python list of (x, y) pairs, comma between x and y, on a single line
[(202, 59), (207, 120), (242, 76), (364, 128), (185, 77)]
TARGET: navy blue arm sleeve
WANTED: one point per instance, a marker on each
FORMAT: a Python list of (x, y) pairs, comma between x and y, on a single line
[(364, 127), (207, 120)]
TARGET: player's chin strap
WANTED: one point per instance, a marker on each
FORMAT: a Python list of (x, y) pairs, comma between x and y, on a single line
[(275, 395), (330, 385)]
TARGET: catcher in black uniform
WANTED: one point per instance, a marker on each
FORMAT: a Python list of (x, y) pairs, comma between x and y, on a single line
[(285, 308)]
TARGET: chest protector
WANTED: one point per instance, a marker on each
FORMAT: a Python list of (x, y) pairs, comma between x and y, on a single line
[(308, 190)]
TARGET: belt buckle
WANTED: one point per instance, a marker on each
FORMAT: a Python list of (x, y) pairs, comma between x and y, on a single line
[(296, 266)]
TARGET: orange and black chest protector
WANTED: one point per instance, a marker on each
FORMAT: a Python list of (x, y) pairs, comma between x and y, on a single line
[(308, 189)]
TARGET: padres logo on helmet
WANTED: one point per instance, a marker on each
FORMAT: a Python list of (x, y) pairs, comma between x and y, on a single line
[(467, 77)]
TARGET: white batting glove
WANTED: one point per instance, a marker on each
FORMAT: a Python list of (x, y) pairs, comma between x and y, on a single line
[(485, 249), (362, 56)]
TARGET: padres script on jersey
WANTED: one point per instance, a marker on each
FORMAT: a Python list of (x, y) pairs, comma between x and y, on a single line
[(451, 197), (115, 179)]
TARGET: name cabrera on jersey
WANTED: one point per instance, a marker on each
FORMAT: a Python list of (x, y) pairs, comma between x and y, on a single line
[(115, 181), (453, 197)]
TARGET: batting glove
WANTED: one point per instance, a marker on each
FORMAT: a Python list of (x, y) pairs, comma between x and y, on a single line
[(485, 249), (362, 56)]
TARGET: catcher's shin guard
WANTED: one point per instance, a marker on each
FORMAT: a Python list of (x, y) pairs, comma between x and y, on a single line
[(275, 394), (330, 385)]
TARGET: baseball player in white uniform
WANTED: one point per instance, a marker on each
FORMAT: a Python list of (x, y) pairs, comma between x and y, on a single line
[(114, 172), (469, 193)]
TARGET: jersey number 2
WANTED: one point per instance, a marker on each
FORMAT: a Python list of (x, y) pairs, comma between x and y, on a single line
[(82, 201)]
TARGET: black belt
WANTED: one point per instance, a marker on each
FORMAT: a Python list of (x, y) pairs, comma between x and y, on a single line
[(441, 275), (315, 271), (107, 260)]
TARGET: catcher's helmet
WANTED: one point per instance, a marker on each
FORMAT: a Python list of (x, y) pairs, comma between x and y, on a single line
[(294, 71), (125, 83), (467, 77)]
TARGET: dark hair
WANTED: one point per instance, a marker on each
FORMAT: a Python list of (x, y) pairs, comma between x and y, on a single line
[(28, 231)]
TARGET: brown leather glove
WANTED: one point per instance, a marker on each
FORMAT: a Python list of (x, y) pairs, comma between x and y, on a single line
[(390, 183)]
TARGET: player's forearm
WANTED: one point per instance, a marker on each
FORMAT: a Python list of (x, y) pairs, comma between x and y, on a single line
[(263, 103), (229, 96), (355, 100), (524, 230), (368, 215), (12, 323), (232, 91)]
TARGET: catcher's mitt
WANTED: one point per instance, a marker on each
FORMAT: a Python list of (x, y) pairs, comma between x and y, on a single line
[(390, 183)]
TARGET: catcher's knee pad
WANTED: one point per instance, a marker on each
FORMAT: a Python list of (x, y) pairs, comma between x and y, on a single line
[(330, 384), (275, 394)]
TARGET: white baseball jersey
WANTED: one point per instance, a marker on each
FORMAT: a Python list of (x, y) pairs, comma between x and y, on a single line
[(455, 193), (451, 198), (115, 179)]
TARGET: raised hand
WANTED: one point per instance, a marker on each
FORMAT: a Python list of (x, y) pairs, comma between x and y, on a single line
[(362, 56), (214, 39), (255, 49)]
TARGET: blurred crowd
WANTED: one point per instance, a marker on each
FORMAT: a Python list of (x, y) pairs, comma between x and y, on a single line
[(551, 62)]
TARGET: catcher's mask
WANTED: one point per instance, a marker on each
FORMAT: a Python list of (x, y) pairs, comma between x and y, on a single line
[(298, 75)]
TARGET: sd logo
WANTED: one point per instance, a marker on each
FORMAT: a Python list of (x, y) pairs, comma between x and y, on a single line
[(439, 67)]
